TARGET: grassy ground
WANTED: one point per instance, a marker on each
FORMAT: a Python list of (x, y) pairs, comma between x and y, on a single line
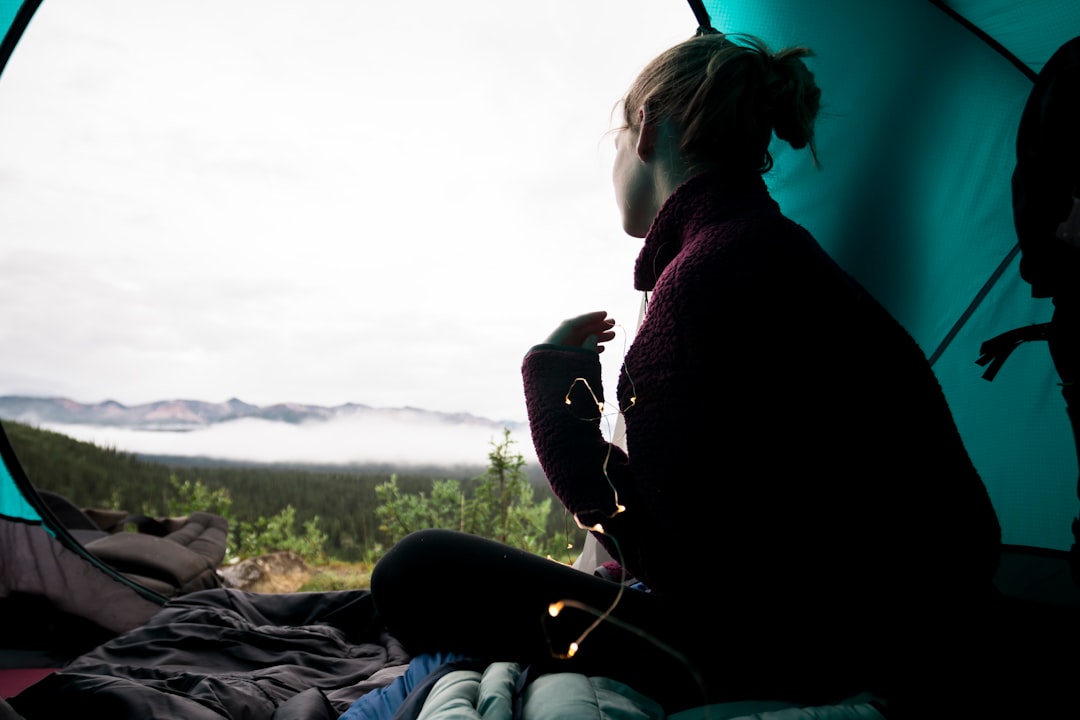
[(338, 576)]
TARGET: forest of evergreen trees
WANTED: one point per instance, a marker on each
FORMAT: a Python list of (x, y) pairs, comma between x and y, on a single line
[(344, 501)]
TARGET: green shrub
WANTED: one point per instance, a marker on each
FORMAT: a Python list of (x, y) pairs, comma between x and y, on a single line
[(278, 533), (501, 506), (248, 539)]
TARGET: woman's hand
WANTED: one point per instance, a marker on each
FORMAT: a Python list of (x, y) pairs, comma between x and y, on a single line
[(584, 331)]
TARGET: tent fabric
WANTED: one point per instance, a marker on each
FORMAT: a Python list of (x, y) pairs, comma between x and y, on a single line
[(112, 584), (43, 568), (13, 505), (56, 598), (171, 556), (917, 144), (14, 16)]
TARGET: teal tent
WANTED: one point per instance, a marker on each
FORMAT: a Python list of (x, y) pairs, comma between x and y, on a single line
[(917, 142)]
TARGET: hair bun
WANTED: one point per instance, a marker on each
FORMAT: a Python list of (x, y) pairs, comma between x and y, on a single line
[(729, 99), (793, 97)]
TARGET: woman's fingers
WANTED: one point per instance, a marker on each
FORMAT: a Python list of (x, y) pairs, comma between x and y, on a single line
[(584, 331)]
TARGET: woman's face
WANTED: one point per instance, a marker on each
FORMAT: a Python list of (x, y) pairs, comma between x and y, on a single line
[(634, 190)]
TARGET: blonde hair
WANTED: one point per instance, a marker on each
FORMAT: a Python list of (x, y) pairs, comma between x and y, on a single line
[(728, 99)]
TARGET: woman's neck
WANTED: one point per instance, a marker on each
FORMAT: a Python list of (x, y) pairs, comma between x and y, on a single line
[(669, 169)]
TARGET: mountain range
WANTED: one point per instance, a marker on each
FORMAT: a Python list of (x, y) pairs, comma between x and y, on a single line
[(180, 415), (236, 431)]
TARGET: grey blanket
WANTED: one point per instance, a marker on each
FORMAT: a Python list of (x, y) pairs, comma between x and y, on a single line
[(228, 654)]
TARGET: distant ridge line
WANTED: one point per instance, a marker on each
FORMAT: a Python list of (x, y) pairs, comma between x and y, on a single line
[(180, 415)]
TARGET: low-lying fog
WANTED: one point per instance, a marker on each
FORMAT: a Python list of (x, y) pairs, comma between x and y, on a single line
[(343, 441)]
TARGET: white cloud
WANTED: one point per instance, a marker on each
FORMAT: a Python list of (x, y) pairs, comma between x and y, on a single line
[(369, 202)]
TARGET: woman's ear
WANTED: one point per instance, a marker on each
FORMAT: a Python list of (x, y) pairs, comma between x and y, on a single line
[(646, 140)]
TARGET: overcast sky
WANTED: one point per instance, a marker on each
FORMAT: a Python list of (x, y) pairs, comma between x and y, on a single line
[(323, 202)]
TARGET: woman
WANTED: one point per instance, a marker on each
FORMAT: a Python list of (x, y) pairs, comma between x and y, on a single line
[(795, 495)]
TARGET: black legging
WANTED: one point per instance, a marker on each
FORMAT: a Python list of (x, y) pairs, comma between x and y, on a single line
[(440, 590)]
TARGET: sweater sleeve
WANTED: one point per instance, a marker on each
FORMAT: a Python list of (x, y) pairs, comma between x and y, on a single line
[(564, 398)]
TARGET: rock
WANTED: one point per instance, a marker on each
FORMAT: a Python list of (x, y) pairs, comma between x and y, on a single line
[(278, 572)]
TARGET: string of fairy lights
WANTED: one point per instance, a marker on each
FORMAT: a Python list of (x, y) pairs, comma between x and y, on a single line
[(606, 616)]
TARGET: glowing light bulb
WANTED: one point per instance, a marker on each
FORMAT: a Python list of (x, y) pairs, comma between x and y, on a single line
[(598, 528), (555, 608), (620, 509), (572, 651), (567, 400)]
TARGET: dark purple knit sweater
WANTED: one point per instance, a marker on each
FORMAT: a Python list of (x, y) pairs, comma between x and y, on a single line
[(787, 436)]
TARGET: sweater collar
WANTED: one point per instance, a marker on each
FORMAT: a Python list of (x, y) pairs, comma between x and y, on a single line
[(706, 198)]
